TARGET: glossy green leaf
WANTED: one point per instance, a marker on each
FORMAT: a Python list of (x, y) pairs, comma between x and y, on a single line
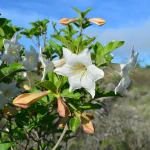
[(65, 42), (2, 32), (6, 145), (74, 123), (77, 10), (110, 47), (68, 94), (106, 94), (90, 106), (48, 85)]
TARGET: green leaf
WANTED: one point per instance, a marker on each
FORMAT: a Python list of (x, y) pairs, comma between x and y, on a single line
[(85, 13), (6, 145), (68, 94), (48, 85), (4, 21), (110, 47), (2, 32), (78, 42), (54, 44), (65, 42), (78, 11), (90, 106), (106, 94), (1, 42), (100, 60), (74, 123), (12, 69), (97, 47), (60, 83)]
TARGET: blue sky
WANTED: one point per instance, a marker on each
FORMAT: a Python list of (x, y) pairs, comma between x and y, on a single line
[(127, 20)]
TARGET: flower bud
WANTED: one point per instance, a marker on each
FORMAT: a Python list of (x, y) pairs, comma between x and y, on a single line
[(66, 21), (63, 109), (25, 100), (10, 111), (59, 63), (26, 87), (98, 21), (87, 123)]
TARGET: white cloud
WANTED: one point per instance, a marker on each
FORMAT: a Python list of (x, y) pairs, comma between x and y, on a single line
[(139, 36), (23, 17)]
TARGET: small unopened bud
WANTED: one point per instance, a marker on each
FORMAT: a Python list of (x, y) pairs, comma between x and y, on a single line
[(63, 109), (59, 63), (66, 21), (98, 21), (9, 110), (87, 123), (25, 100), (26, 87)]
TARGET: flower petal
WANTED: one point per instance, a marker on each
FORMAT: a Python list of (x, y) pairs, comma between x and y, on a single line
[(74, 83), (123, 84), (71, 58), (6, 43), (14, 39), (117, 67), (85, 58), (65, 70), (95, 73), (88, 84), (92, 92)]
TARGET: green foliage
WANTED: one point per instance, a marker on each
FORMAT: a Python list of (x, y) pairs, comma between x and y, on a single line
[(6, 145), (39, 125), (74, 123), (9, 71)]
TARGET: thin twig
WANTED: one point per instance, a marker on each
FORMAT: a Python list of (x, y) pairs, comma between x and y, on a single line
[(61, 137), (34, 42)]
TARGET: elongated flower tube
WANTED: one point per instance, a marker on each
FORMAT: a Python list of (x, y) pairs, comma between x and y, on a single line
[(125, 70), (98, 21), (63, 109), (12, 50), (66, 21), (80, 71), (25, 100)]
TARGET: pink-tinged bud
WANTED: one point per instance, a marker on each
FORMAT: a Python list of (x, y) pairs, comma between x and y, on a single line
[(98, 21), (26, 87), (66, 21), (25, 100), (87, 123), (63, 109), (10, 111), (59, 63)]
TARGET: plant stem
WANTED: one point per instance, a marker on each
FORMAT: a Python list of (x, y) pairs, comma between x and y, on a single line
[(61, 137), (80, 29)]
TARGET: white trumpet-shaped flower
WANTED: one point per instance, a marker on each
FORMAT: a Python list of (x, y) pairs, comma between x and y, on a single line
[(125, 70), (80, 71), (7, 92), (12, 50), (48, 66), (30, 60)]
